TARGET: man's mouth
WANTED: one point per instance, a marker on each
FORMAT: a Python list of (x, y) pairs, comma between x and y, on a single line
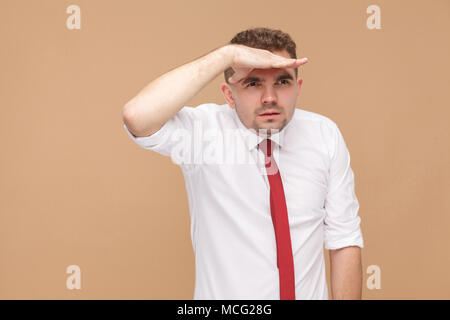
[(269, 114)]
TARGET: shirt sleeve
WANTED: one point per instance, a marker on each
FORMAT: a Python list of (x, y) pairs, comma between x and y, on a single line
[(342, 223), (174, 138)]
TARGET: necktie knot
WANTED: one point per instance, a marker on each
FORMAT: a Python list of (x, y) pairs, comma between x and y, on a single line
[(266, 147)]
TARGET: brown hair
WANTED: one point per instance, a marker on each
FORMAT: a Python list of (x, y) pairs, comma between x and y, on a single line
[(264, 38)]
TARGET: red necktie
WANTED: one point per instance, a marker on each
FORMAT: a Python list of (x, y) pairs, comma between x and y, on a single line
[(278, 209)]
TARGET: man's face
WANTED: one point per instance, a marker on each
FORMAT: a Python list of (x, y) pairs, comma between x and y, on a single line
[(263, 91)]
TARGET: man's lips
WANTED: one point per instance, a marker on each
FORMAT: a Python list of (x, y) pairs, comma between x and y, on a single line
[(270, 111), (269, 114)]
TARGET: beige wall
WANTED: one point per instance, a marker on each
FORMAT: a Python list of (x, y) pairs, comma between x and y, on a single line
[(76, 190)]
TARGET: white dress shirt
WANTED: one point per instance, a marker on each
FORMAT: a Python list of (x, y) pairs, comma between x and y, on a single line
[(229, 199)]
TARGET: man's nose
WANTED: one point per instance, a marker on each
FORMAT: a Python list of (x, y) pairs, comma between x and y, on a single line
[(269, 96)]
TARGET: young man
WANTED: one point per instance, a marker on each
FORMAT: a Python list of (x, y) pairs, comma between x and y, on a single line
[(257, 231)]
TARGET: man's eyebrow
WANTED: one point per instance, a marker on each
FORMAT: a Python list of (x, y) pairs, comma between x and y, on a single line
[(280, 77)]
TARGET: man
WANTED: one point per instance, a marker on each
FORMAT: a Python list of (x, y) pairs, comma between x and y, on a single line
[(257, 231)]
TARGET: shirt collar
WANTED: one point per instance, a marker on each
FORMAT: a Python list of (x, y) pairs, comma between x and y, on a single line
[(251, 139)]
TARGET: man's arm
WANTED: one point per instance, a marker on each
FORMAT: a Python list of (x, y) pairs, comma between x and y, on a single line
[(346, 273), (165, 96)]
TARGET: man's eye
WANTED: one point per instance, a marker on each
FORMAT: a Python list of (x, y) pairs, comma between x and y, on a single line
[(254, 83), (250, 84)]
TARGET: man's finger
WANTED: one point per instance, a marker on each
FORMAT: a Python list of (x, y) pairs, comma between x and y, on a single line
[(293, 63), (239, 74), (302, 60)]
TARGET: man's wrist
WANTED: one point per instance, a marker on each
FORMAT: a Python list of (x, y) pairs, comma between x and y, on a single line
[(226, 53)]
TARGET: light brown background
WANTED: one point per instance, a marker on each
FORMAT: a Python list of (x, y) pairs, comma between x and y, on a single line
[(75, 189)]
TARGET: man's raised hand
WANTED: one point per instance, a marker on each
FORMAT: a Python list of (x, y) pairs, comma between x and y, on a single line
[(245, 59)]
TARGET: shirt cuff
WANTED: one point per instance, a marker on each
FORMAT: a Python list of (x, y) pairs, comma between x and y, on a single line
[(148, 142), (354, 239)]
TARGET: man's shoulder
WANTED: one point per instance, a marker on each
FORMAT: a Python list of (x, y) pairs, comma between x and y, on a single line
[(207, 109), (302, 115), (209, 114)]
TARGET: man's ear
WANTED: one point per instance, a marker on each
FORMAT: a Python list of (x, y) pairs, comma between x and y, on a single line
[(228, 94), (299, 83)]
